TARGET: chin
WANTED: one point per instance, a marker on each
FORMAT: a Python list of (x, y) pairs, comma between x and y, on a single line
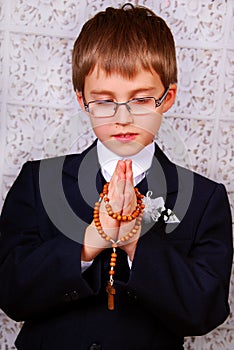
[(124, 149)]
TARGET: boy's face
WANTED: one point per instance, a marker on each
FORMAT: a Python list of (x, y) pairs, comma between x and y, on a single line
[(124, 133)]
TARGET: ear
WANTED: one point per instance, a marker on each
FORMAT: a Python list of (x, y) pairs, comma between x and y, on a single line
[(170, 99), (80, 99)]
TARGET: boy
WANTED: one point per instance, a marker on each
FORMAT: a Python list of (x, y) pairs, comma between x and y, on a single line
[(120, 282)]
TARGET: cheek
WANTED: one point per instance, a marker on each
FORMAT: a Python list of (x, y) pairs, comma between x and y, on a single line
[(151, 125), (102, 129)]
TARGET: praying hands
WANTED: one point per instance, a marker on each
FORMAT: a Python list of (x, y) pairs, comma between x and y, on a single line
[(119, 221)]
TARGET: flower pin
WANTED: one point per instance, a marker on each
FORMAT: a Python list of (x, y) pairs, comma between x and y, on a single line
[(155, 210)]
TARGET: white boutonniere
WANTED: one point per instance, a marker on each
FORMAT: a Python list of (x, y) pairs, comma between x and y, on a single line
[(155, 210)]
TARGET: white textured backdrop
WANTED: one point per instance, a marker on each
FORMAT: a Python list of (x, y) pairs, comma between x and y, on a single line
[(38, 109)]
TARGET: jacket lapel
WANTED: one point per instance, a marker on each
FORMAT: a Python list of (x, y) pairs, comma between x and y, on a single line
[(161, 179)]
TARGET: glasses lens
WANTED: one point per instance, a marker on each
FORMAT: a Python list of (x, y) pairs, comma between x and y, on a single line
[(142, 105), (102, 109)]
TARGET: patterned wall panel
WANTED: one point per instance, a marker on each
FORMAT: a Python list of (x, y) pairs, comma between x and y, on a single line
[(40, 117)]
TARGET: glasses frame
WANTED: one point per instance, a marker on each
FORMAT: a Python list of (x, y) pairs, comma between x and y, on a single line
[(158, 102)]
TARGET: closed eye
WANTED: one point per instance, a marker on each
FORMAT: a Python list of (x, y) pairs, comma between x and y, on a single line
[(101, 102), (141, 100)]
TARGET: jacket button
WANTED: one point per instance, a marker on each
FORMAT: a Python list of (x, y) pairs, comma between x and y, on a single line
[(67, 297), (74, 295), (71, 296), (131, 295), (95, 346)]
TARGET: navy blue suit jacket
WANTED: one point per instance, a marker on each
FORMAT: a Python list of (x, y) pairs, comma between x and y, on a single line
[(179, 281)]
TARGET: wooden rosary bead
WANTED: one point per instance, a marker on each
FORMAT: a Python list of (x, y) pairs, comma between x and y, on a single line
[(118, 216)]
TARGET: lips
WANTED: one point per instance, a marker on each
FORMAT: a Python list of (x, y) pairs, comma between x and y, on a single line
[(125, 137)]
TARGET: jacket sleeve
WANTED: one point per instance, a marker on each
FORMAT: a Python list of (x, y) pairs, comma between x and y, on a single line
[(36, 275), (188, 289)]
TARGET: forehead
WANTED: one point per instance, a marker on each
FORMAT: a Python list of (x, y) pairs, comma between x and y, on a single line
[(99, 80)]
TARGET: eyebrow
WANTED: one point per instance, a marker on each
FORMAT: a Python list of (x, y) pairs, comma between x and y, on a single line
[(131, 92)]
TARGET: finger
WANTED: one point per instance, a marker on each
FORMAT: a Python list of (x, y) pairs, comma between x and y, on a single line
[(117, 187), (129, 172), (129, 192), (119, 174), (129, 188), (121, 170)]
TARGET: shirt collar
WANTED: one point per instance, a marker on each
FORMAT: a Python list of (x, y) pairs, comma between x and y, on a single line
[(141, 161)]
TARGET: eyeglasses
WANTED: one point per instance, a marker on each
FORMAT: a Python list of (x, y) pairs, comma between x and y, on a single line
[(136, 106)]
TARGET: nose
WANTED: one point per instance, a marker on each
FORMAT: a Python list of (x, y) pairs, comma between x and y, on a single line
[(123, 115)]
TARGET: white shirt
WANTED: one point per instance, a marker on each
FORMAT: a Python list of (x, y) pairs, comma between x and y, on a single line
[(141, 161)]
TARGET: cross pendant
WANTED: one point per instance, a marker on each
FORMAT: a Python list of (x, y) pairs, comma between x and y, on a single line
[(110, 289)]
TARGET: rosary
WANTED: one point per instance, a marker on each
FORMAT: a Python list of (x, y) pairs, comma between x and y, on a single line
[(136, 214)]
